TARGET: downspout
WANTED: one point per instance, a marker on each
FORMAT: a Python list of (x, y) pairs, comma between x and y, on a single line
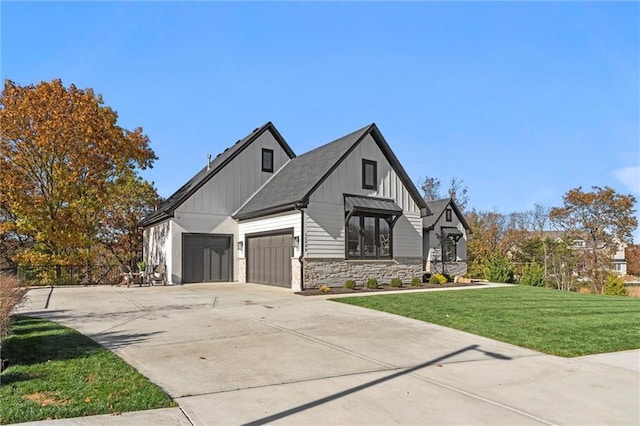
[(301, 247)]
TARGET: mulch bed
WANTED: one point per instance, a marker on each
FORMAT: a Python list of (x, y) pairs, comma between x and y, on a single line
[(381, 289)]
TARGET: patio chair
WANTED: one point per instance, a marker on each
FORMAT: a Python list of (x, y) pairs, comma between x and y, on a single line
[(147, 274), (126, 274), (159, 275)]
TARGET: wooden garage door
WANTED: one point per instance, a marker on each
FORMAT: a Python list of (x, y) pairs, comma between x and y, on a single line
[(269, 259), (206, 258)]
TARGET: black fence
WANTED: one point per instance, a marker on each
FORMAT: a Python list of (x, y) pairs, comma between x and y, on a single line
[(35, 275)]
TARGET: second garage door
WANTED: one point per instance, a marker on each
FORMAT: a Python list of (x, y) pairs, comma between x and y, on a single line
[(206, 258), (269, 259)]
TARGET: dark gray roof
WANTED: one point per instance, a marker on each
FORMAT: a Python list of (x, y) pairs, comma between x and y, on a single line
[(292, 186), (167, 208), (438, 207)]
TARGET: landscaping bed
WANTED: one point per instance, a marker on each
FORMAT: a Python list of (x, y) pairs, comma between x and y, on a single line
[(381, 288)]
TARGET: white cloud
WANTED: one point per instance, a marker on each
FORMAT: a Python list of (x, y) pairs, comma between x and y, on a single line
[(630, 177)]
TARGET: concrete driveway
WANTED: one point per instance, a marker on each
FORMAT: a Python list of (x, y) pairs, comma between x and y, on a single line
[(249, 354)]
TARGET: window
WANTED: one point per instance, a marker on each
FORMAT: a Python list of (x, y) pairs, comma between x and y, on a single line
[(449, 250), (368, 237), (267, 160), (579, 243), (448, 215), (369, 174)]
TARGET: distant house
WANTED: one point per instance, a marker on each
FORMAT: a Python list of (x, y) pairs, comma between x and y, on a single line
[(580, 243), (258, 213), (617, 257), (445, 238)]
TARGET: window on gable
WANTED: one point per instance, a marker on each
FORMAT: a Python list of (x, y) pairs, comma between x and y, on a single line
[(267, 160), (448, 215), (369, 174), (369, 236)]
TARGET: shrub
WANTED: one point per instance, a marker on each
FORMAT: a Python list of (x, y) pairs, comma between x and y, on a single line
[(324, 288), (437, 279), (395, 282), (415, 282), (614, 286), (532, 274), (11, 296), (350, 284), (372, 283), (498, 269)]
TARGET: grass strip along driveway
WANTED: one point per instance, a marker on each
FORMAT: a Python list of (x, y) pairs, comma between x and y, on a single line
[(56, 372), (549, 321)]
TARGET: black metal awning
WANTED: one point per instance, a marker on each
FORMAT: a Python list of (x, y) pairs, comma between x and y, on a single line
[(359, 204), (371, 205), (454, 234)]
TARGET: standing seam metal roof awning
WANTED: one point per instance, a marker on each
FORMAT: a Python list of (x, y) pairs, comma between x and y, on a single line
[(371, 205), (355, 204), (454, 234)]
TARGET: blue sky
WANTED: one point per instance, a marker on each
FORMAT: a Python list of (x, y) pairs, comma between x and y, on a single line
[(522, 101)]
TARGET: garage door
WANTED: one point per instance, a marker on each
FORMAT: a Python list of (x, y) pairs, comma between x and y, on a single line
[(206, 258), (269, 259)]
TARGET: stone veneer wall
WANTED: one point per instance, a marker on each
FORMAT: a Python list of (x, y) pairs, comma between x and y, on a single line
[(242, 270), (334, 272), (451, 268)]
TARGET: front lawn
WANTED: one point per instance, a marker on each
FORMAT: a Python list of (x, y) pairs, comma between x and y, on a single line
[(549, 321), (56, 372)]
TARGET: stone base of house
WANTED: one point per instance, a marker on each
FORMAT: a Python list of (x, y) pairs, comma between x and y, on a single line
[(334, 272), (450, 268), (296, 282), (296, 274), (242, 270)]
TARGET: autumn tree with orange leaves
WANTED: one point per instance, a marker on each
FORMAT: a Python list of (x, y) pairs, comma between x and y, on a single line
[(68, 173), (604, 219), (632, 254)]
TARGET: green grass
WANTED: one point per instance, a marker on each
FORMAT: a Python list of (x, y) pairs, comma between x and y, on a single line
[(56, 372), (549, 321)]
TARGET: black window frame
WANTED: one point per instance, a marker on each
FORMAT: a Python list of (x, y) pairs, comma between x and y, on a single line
[(452, 254), (374, 164), (268, 168), (378, 217), (448, 215)]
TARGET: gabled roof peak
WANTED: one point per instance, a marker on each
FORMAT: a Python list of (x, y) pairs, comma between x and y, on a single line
[(304, 174), (167, 208)]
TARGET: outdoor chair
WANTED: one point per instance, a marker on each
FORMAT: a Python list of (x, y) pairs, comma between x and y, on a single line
[(159, 275), (127, 275), (147, 274)]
